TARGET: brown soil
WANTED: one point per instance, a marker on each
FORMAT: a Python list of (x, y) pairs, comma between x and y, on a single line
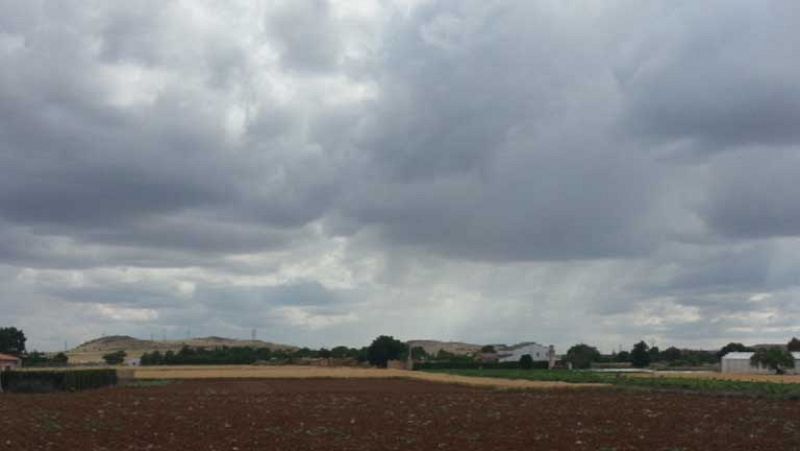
[(388, 414)]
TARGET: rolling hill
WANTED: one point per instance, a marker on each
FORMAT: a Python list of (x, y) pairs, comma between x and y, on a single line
[(92, 351)]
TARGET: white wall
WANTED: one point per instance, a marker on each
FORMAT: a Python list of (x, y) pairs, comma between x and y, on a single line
[(536, 351), (741, 364), (7, 366)]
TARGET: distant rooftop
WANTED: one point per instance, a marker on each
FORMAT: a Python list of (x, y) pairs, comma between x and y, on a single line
[(747, 355), (7, 358)]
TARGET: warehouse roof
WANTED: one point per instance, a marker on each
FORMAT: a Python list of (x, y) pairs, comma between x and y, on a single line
[(747, 355), (7, 358)]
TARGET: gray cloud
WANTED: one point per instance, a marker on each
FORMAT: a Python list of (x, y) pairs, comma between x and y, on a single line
[(723, 82), (306, 35), (331, 170), (754, 195)]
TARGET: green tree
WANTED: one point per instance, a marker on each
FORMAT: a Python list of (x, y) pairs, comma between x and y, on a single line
[(622, 356), (488, 349), (733, 347), (60, 359), (419, 353), (12, 341), (526, 362), (383, 349), (444, 355), (362, 354), (671, 354), (115, 358), (340, 352), (775, 359), (324, 353), (582, 355), (36, 358), (793, 345), (640, 357), (655, 354), (151, 358)]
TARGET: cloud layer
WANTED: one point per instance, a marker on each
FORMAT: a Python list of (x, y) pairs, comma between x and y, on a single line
[(325, 171)]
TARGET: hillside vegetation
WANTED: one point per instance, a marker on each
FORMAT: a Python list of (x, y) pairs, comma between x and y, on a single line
[(92, 351)]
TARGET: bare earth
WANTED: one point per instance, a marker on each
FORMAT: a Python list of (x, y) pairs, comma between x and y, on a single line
[(389, 414), (315, 372)]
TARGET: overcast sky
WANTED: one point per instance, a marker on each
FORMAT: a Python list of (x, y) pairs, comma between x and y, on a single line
[(327, 171)]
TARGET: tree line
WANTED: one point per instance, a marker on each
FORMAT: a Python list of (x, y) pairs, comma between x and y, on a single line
[(385, 348), (642, 355)]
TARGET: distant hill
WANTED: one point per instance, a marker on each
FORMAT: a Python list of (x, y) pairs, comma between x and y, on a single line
[(456, 347), (453, 347), (93, 350)]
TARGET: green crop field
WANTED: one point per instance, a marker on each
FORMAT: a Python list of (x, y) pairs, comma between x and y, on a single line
[(769, 389)]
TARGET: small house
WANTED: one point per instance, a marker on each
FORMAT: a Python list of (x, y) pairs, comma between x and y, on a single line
[(9, 362)]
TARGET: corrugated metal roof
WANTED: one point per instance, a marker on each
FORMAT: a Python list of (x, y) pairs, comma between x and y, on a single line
[(738, 355), (6, 357), (747, 355)]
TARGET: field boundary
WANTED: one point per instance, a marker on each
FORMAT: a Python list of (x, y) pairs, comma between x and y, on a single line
[(304, 372)]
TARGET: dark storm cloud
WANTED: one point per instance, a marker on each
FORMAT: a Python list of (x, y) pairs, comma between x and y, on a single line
[(303, 164), (256, 298), (754, 194), (478, 148), (721, 271), (723, 75), (306, 35), (77, 164)]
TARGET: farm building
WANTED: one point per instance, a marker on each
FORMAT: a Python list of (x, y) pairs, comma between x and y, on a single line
[(739, 362), (8, 362), (539, 353)]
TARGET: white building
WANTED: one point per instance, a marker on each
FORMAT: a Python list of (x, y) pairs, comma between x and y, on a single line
[(739, 362), (9, 362), (539, 353)]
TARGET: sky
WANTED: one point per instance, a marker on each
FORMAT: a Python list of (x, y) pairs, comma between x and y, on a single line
[(325, 171)]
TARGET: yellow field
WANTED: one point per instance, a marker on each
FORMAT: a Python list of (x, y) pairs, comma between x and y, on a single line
[(310, 372), (785, 379)]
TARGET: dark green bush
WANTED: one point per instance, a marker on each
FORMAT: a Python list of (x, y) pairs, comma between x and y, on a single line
[(237, 355), (48, 381), (526, 362)]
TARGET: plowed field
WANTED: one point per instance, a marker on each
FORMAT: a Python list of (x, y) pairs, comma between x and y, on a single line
[(389, 414)]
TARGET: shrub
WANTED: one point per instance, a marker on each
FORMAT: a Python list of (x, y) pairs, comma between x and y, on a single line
[(115, 358), (385, 348), (47, 381), (640, 357), (41, 359), (526, 362), (775, 359), (582, 355), (237, 355)]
